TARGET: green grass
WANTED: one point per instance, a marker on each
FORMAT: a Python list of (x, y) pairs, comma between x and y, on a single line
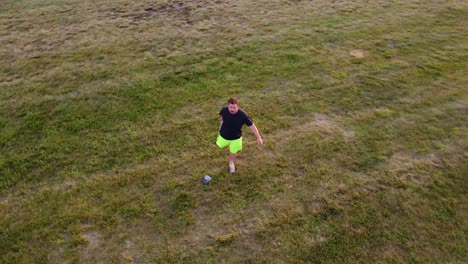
[(108, 118)]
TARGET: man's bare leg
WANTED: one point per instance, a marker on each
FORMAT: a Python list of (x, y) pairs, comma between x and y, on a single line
[(232, 159)]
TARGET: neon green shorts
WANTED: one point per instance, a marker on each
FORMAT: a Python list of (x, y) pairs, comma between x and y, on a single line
[(234, 145)]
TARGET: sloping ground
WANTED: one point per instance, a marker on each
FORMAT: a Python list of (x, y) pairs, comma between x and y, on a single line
[(108, 118)]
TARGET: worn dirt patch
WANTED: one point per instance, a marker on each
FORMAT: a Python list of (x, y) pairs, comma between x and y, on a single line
[(461, 104), (360, 54), (93, 238)]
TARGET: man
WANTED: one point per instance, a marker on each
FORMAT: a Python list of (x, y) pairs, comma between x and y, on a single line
[(232, 118)]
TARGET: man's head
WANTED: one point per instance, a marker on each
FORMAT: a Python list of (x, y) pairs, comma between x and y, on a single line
[(233, 105)]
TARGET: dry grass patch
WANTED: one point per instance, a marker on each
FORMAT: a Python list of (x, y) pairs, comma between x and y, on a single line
[(413, 168)]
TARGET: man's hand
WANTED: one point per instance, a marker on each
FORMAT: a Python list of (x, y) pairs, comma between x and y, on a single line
[(260, 141)]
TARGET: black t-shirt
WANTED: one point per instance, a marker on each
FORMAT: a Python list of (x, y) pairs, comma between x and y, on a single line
[(232, 124)]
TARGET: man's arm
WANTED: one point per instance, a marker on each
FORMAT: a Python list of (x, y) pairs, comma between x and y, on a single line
[(220, 122), (257, 134)]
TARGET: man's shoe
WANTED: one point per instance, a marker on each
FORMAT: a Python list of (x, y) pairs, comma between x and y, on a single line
[(232, 168)]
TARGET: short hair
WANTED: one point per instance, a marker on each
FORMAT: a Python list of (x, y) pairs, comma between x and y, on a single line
[(233, 100)]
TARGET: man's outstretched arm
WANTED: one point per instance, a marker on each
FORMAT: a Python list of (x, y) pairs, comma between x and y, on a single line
[(257, 134)]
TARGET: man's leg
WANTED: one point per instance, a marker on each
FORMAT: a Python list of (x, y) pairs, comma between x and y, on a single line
[(234, 147), (232, 159)]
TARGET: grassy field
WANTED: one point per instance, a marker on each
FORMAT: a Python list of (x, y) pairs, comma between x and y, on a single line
[(108, 118)]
